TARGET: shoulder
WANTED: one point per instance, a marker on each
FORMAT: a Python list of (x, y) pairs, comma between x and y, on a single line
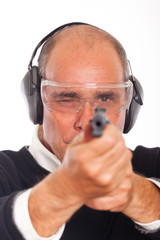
[(10, 159), (9, 177), (145, 150), (19, 170), (147, 161), (21, 165)]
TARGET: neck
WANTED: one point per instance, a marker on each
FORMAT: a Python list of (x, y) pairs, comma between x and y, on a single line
[(41, 138)]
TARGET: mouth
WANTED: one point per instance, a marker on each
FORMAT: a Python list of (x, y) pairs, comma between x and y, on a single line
[(68, 140)]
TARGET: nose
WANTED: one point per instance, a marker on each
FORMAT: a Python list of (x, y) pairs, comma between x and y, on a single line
[(84, 116)]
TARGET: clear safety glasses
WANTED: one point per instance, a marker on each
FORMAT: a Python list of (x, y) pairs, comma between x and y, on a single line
[(68, 97)]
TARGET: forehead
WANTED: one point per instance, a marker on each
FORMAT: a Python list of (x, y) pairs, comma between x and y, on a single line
[(75, 62)]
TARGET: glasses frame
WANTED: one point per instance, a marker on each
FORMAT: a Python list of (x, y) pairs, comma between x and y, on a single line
[(87, 85), (124, 84)]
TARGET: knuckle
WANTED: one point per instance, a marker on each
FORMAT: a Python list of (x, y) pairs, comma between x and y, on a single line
[(126, 188), (97, 204), (108, 179), (105, 182), (99, 179), (92, 173), (123, 200), (111, 141), (129, 153), (129, 173), (121, 144), (125, 196), (81, 159)]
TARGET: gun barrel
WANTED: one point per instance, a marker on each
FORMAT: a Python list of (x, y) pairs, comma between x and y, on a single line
[(99, 121)]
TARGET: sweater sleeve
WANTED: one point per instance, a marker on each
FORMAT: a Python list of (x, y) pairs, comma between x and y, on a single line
[(8, 230), (146, 161), (9, 187)]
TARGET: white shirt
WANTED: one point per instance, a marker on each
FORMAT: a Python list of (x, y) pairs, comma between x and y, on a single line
[(50, 162)]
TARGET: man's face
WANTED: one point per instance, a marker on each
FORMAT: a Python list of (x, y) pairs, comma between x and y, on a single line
[(68, 63)]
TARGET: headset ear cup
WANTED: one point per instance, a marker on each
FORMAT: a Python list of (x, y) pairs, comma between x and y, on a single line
[(31, 91), (131, 116), (135, 105)]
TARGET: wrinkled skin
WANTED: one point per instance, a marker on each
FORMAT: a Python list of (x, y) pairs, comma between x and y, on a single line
[(96, 172), (67, 64)]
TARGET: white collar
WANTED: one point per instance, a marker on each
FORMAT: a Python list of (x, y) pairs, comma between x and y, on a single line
[(42, 155)]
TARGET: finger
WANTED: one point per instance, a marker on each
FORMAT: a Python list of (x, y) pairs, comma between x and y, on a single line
[(117, 201), (107, 141), (112, 162), (97, 145), (115, 169)]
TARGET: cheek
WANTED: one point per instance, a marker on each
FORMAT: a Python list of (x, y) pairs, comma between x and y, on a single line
[(57, 131), (56, 125), (118, 119)]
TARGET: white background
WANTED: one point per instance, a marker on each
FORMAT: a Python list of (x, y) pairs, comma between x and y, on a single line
[(135, 23)]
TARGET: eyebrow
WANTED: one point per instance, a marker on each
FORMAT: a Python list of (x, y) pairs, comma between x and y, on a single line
[(67, 94), (72, 94)]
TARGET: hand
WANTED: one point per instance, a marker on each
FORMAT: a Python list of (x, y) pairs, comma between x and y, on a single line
[(92, 169), (99, 169)]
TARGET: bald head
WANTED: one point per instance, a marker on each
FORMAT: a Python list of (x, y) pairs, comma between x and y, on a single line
[(82, 38)]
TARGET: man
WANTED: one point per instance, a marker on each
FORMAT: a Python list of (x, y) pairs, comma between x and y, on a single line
[(77, 186)]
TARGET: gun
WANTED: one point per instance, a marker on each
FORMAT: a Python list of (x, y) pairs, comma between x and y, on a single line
[(99, 121)]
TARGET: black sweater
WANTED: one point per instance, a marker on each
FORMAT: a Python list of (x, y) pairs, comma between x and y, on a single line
[(19, 171)]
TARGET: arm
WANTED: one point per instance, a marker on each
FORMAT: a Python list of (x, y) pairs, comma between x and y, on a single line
[(20, 212), (83, 175), (14, 220), (139, 201), (144, 206), (94, 172)]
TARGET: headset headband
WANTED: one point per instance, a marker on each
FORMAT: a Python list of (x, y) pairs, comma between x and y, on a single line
[(51, 34)]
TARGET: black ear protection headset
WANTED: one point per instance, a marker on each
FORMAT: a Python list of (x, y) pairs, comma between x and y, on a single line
[(31, 85)]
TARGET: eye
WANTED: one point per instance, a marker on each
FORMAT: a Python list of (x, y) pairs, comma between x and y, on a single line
[(107, 97), (104, 99)]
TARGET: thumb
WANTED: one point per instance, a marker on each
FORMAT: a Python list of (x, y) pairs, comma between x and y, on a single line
[(83, 136)]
